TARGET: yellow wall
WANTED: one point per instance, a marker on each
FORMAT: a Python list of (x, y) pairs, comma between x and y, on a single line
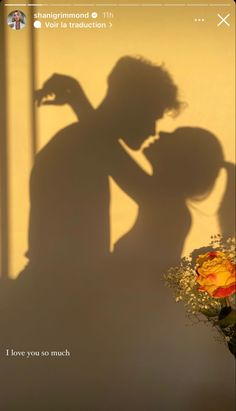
[(200, 56)]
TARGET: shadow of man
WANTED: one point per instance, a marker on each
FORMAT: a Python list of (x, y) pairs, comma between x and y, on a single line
[(59, 299), (69, 189)]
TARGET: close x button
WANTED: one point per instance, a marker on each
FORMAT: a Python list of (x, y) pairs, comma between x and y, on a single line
[(223, 20)]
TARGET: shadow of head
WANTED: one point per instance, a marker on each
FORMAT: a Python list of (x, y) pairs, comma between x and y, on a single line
[(188, 160), (139, 93)]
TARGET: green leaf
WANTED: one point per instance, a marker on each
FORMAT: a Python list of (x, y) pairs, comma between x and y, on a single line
[(229, 320), (208, 312)]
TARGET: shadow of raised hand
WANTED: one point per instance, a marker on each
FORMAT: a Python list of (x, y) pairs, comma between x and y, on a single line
[(60, 89)]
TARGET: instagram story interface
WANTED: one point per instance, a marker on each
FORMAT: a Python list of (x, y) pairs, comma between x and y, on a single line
[(117, 241)]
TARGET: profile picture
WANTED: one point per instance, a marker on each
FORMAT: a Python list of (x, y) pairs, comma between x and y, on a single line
[(16, 20)]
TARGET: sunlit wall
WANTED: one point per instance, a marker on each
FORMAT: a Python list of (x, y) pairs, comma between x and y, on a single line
[(200, 56)]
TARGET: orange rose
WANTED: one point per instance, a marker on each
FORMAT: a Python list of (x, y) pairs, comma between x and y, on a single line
[(216, 274)]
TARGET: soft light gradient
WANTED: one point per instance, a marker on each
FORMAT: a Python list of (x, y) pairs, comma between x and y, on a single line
[(199, 55)]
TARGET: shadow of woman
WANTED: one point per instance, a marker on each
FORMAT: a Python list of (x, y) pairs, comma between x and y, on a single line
[(185, 165)]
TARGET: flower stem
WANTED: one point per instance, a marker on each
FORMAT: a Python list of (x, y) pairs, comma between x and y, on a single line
[(227, 302)]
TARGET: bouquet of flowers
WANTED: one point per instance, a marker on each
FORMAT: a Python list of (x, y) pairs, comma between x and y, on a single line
[(205, 282)]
